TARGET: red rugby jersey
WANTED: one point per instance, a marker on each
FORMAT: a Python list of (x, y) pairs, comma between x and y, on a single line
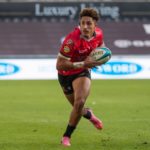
[(77, 48)]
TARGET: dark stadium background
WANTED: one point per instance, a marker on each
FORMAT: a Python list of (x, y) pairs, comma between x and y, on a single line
[(36, 28)]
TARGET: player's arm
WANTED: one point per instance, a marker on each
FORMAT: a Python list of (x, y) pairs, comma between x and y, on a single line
[(91, 63), (64, 63)]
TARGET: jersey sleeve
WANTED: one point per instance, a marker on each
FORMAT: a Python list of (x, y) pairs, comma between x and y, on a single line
[(67, 47)]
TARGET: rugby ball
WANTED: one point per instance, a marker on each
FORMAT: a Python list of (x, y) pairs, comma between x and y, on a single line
[(101, 53)]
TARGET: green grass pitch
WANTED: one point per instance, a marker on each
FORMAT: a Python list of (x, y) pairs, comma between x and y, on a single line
[(34, 115)]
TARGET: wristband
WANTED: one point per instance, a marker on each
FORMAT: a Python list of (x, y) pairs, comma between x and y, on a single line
[(78, 64)]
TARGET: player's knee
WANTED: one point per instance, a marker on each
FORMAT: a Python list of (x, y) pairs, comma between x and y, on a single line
[(79, 106)]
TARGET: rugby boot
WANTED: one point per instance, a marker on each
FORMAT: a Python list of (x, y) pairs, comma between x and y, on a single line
[(95, 121), (65, 141)]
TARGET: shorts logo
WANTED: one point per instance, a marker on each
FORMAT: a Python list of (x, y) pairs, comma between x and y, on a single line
[(66, 49)]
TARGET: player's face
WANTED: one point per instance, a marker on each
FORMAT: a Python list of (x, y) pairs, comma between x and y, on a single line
[(87, 25)]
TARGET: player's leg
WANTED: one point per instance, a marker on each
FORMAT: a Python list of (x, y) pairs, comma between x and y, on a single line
[(69, 93), (86, 112), (81, 88), (66, 139), (66, 85), (70, 98)]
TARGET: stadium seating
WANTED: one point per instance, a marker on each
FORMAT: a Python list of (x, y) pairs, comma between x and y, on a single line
[(43, 37)]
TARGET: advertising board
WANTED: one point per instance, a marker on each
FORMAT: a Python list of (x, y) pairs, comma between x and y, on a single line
[(119, 67), (70, 11)]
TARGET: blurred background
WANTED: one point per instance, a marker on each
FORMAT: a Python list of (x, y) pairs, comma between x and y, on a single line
[(34, 30)]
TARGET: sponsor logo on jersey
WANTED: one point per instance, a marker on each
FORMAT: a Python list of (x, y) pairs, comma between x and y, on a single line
[(8, 69), (66, 49), (69, 42), (118, 68)]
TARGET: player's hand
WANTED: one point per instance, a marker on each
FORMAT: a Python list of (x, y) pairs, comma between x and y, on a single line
[(91, 63)]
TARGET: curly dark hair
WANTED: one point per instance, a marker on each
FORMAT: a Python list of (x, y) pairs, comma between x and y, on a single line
[(90, 12)]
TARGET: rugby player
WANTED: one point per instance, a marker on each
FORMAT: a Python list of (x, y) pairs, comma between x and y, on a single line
[(74, 64)]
